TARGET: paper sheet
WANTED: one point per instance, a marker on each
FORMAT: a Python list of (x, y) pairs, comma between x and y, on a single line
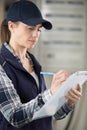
[(58, 99)]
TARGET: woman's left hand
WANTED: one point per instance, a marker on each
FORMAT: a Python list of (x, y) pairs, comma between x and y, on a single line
[(73, 96)]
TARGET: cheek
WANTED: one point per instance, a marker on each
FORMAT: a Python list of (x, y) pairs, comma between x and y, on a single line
[(19, 35)]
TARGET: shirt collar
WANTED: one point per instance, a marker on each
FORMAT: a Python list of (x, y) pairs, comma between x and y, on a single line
[(9, 48)]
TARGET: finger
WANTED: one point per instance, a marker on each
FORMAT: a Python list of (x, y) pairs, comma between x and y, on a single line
[(76, 96), (57, 83), (63, 72), (75, 92), (72, 98), (79, 88), (61, 76)]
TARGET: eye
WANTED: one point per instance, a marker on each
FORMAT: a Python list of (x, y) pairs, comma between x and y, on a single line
[(39, 30), (31, 28)]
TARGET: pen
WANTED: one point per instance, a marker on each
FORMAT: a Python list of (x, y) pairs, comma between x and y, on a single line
[(47, 73)]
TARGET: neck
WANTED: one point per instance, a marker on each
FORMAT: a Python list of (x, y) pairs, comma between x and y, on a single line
[(19, 50), (21, 53)]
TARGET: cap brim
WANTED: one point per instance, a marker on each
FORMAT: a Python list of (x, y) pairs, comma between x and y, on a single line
[(46, 24)]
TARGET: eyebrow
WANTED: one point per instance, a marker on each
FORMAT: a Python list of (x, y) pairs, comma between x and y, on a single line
[(37, 25)]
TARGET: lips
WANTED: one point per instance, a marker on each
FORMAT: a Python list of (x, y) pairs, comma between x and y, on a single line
[(32, 41)]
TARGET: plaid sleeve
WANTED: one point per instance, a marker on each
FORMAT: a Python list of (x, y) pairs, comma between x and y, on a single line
[(13, 110), (62, 112)]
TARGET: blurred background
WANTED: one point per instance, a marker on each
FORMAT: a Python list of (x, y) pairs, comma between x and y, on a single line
[(64, 47)]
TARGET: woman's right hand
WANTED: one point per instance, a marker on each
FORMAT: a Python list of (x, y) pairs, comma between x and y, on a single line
[(58, 79)]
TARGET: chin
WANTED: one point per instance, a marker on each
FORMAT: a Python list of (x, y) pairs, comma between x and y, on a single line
[(30, 47)]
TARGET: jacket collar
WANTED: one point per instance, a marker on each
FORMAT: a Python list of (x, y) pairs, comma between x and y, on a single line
[(14, 60)]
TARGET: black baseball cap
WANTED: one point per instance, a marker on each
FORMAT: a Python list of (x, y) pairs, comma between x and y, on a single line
[(26, 12)]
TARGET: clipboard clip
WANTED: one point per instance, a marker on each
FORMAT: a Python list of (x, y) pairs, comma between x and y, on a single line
[(82, 73)]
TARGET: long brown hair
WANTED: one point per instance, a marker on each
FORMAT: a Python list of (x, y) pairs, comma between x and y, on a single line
[(4, 33)]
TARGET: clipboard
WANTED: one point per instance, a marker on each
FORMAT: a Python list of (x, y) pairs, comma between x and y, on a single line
[(58, 99)]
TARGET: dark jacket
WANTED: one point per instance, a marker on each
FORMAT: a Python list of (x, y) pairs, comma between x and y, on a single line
[(26, 88)]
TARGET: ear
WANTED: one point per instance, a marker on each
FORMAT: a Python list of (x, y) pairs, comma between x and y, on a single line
[(11, 26)]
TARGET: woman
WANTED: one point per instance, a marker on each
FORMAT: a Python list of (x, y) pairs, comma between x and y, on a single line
[(22, 88)]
